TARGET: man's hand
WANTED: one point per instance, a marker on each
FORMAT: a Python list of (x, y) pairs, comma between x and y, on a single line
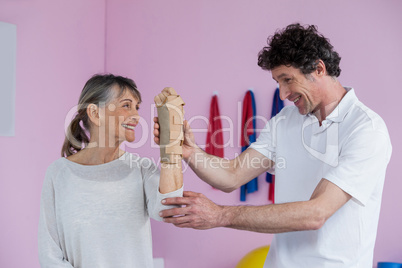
[(198, 212), (189, 145)]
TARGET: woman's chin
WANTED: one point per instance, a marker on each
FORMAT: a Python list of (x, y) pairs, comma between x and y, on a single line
[(130, 139)]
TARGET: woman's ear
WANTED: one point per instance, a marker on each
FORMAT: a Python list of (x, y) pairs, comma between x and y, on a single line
[(93, 114)]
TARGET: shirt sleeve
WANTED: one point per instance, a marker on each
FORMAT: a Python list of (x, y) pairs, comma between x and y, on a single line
[(50, 253), (266, 141), (361, 164), (151, 175)]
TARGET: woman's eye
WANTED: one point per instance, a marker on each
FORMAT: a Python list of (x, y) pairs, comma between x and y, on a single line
[(137, 107), (126, 105)]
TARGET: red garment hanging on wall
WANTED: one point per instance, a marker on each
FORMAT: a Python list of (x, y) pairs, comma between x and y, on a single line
[(214, 144)]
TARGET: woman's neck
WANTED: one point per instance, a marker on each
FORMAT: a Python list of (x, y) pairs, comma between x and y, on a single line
[(96, 155)]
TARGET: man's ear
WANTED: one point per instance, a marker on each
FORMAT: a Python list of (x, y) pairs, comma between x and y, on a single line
[(321, 70), (93, 114)]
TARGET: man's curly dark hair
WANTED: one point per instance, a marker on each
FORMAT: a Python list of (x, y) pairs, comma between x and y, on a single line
[(299, 47)]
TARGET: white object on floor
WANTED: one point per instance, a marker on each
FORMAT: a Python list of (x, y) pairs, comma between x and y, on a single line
[(159, 263)]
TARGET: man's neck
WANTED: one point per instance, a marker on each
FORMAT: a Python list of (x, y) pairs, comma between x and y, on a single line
[(333, 94)]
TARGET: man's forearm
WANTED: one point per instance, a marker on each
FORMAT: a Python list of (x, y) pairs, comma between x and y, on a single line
[(228, 175), (326, 199), (216, 171), (276, 218)]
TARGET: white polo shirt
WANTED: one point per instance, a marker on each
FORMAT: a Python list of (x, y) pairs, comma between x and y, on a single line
[(352, 150)]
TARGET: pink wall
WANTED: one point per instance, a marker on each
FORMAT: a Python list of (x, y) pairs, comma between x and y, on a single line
[(203, 46), (197, 47), (59, 45)]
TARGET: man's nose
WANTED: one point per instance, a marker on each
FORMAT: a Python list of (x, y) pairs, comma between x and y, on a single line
[(283, 93)]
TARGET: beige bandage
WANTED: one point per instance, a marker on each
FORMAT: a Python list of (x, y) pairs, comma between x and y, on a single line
[(170, 116)]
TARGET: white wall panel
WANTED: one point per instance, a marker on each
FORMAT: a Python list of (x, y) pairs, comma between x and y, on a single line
[(8, 47)]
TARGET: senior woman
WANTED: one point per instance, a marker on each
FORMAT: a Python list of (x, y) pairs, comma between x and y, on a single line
[(97, 199)]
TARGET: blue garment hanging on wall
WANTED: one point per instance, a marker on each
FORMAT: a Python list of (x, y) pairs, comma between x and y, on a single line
[(248, 103), (277, 106)]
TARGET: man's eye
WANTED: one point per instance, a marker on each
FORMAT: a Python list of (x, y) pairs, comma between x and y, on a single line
[(287, 80)]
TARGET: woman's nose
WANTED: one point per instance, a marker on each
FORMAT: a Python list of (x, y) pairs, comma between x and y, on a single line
[(135, 117)]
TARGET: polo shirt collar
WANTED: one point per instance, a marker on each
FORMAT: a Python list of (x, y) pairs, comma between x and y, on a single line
[(344, 106), (337, 115)]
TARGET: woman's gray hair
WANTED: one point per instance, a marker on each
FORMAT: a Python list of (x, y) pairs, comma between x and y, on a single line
[(98, 91)]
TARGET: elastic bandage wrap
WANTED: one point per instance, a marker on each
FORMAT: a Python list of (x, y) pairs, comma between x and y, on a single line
[(170, 117)]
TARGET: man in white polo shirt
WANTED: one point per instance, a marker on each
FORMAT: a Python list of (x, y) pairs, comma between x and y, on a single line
[(329, 153)]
